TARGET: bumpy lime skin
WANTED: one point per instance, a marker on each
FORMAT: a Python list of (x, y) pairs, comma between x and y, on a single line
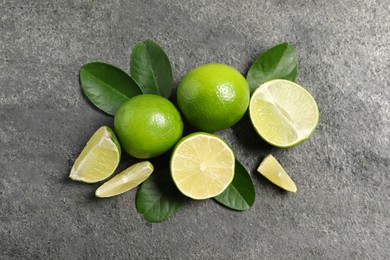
[(213, 97), (148, 125)]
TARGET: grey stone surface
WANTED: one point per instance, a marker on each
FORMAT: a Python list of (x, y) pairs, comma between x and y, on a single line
[(341, 210)]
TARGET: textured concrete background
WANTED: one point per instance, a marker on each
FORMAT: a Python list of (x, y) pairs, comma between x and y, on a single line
[(341, 210)]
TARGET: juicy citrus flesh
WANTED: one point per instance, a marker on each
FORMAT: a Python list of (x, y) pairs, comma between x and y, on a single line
[(283, 113), (213, 97), (273, 171), (148, 125), (125, 180), (99, 158), (202, 166)]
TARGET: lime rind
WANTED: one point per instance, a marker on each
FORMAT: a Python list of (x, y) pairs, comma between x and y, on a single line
[(262, 94), (114, 139)]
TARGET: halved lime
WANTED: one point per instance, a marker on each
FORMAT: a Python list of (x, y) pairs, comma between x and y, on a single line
[(99, 158), (273, 171), (283, 113), (126, 180), (202, 165)]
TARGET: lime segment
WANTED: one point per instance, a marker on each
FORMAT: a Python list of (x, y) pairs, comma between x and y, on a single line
[(99, 158), (273, 171), (126, 180), (283, 113), (202, 166)]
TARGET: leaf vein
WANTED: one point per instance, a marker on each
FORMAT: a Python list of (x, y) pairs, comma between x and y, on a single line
[(106, 84)]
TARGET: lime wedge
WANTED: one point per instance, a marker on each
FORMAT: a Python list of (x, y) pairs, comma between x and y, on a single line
[(99, 158), (283, 113), (202, 165), (273, 171), (126, 180)]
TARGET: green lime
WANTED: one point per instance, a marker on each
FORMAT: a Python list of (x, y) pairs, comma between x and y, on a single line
[(99, 158), (283, 113), (147, 125), (213, 97)]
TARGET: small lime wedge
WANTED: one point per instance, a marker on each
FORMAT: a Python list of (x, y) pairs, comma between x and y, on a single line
[(99, 158), (126, 180), (273, 171), (202, 166), (283, 113)]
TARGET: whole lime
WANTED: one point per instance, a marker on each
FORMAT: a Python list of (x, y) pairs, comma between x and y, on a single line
[(147, 125), (213, 97)]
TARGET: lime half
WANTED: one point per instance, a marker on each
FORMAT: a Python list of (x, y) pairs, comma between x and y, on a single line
[(273, 171), (283, 113), (202, 166), (126, 180), (99, 158)]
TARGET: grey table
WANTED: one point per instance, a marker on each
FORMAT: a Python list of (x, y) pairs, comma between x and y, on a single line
[(341, 210)]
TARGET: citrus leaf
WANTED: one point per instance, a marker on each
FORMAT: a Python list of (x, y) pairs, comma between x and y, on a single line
[(106, 86), (279, 62), (158, 198), (151, 69), (240, 194)]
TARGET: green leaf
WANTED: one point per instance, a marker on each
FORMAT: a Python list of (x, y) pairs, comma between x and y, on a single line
[(158, 198), (240, 194), (106, 86), (151, 69), (279, 62)]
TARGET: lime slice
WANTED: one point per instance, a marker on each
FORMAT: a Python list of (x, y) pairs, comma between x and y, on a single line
[(126, 180), (202, 166), (283, 113), (99, 158), (273, 171)]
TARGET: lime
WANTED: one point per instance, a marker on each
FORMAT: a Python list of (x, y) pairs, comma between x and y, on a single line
[(126, 180), (283, 113), (273, 171), (148, 125), (213, 97), (99, 158), (202, 165)]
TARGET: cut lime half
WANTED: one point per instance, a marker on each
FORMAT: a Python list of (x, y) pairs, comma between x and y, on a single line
[(283, 113), (273, 171), (99, 158), (202, 166), (126, 180)]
